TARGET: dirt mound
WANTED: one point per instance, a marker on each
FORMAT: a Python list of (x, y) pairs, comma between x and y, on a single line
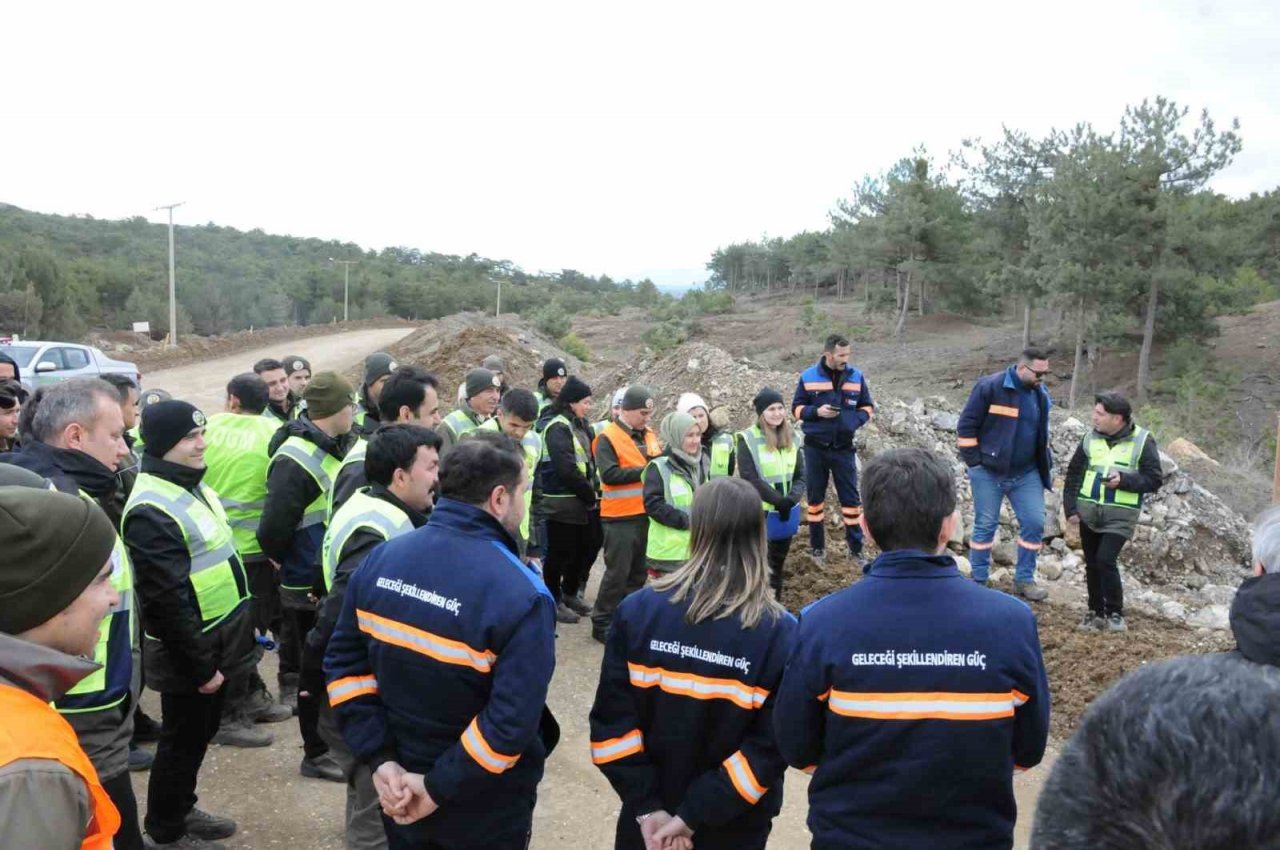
[(1081, 665), (451, 347)]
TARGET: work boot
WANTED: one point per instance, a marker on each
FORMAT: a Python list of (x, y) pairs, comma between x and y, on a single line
[(818, 556), (239, 731), (145, 730), (139, 759), (1091, 623), (577, 605), (600, 635), (564, 615), (186, 842), (1116, 623), (209, 827), (289, 692), (1030, 591), (261, 708), (322, 767)]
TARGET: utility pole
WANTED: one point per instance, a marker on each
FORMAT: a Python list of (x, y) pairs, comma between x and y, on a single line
[(1275, 487), (346, 283), (497, 314), (173, 290)]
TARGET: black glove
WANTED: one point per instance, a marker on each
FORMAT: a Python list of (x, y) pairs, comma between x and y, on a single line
[(784, 508)]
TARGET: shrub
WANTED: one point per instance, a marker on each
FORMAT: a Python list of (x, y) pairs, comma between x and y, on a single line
[(573, 344)]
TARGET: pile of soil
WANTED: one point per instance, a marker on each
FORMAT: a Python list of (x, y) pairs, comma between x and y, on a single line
[(1081, 665)]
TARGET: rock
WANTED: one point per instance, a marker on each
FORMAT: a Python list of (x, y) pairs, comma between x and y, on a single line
[(1071, 533), (1050, 568), (917, 407), (693, 365), (1211, 617), (1072, 561), (1183, 449), (1168, 466), (1059, 545), (945, 421), (1218, 594), (898, 422), (1053, 519), (1195, 582), (1174, 610), (1005, 552), (962, 563), (999, 574)]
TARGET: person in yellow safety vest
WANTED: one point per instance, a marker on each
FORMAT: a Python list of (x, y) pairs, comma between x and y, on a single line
[(769, 458), (614, 409), (410, 396), (282, 405), (669, 484), (305, 457), (298, 368), (569, 497), (554, 374), (622, 451), (77, 443), (1114, 465), (516, 415), (402, 462), (717, 440), (483, 389), (195, 603), (57, 589), (377, 370), (236, 444)]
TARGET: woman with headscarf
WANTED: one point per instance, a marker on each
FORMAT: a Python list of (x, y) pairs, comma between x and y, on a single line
[(769, 459), (717, 440), (669, 484), (686, 738)]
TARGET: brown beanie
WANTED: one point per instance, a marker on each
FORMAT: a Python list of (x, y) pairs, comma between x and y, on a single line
[(54, 546)]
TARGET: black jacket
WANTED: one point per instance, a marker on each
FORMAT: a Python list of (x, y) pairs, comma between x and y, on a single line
[(372, 416), (290, 489), (179, 657), (1255, 619), (1147, 478), (747, 472), (353, 554), (72, 470), (564, 472)]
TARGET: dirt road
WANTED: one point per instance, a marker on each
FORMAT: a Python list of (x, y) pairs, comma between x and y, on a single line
[(204, 384), (275, 807)]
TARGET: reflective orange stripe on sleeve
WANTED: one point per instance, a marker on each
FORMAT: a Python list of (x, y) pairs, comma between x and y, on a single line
[(851, 387), (743, 778), (341, 690), (798, 411), (967, 442), (1002, 410), (697, 687), (603, 752), (809, 770), (935, 705), (424, 643), (484, 755)]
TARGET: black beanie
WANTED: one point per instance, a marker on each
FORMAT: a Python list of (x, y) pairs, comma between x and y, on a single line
[(573, 391), (766, 398), (637, 397), (479, 380), (553, 368), (166, 423), (54, 545), (378, 365)]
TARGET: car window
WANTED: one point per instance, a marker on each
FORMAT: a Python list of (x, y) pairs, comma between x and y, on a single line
[(51, 355), (73, 358), (22, 354)]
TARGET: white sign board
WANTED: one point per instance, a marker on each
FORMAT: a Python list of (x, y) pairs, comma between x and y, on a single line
[(142, 327)]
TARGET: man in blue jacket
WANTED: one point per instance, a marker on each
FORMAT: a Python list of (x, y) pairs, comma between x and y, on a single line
[(1003, 437), (833, 401), (439, 665), (914, 695)]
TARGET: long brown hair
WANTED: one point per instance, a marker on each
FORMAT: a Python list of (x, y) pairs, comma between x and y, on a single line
[(727, 572), (776, 438)]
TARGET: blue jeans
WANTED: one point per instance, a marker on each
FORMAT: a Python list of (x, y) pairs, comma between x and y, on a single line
[(1026, 496), (820, 465)]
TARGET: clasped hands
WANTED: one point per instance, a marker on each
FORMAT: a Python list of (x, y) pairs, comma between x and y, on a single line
[(662, 831), (403, 795)]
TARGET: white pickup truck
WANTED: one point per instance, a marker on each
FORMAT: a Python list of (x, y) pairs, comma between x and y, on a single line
[(44, 363)]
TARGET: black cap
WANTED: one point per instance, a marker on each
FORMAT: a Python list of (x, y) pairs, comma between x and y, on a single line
[(553, 367), (166, 423)]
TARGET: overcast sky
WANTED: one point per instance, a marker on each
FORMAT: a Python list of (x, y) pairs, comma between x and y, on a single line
[(623, 139)]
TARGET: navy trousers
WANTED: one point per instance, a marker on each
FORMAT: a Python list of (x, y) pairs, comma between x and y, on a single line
[(820, 465)]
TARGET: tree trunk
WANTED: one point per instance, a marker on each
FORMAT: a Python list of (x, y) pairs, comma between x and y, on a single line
[(897, 292), (906, 305), (1148, 334), (1079, 360), (1026, 324)]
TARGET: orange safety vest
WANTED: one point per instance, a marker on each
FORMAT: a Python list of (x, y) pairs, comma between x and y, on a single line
[(623, 500), (34, 730)]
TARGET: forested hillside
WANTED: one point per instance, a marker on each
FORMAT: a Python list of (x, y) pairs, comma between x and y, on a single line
[(1108, 237), (61, 276)]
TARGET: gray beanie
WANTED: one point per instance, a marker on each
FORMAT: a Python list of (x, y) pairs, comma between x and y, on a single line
[(479, 380), (637, 397)]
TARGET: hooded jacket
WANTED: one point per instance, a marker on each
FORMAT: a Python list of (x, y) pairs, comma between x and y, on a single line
[(72, 471)]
